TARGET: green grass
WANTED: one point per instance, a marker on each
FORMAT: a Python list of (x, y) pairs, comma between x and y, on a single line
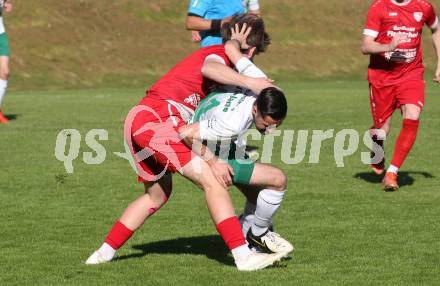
[(345, 229)]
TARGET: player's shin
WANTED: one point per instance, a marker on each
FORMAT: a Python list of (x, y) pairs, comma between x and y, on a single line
[(268, 203), (220, 207), (117, 236), (405, 142), (247, 218), (3, 86), (222, 212)]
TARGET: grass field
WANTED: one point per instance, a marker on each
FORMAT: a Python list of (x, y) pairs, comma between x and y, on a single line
[(345, 229)]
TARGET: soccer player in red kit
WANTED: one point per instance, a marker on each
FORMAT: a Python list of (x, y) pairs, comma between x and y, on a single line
[(392, 36), (152, 129)]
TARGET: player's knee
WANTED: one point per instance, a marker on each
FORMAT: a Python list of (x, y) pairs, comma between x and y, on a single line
[(4, 73), (280, 180), (412, 115), (411, 111)]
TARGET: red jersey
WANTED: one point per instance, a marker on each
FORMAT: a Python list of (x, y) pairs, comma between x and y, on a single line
[(387, 18), (184, 83)]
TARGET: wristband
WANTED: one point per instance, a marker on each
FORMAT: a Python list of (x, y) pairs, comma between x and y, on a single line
[(216, 25), (242, 64), (247, 68)]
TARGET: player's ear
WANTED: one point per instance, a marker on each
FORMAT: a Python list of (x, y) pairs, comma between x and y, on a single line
[(251, 52), (254, 110)]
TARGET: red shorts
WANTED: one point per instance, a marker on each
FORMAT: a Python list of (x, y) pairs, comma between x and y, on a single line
[(151, 132), (384, 100)]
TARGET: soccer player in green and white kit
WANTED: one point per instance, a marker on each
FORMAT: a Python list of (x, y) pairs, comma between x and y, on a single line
[(5, 6), (221, 120)]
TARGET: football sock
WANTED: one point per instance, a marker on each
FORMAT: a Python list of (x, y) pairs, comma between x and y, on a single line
[(247, 219), (230, 231), (118, 235), (241, 252), (3, 86), (268, 203), (107, 251), (405, 141), (392, 169)]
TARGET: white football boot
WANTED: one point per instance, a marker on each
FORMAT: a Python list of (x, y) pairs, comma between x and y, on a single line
[(97, 258), (269, 242), (257, 261)]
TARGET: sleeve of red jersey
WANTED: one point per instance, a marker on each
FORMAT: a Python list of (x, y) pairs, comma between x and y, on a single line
[(374, 21), (432, 19), (218, 54)]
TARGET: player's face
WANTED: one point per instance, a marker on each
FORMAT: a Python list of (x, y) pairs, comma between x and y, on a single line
[(266, 124)]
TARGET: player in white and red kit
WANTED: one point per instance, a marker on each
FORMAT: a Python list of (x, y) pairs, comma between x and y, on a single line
[(393, 36), (152, 132)]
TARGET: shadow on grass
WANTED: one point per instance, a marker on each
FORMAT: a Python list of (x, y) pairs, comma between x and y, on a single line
[(11, 117), (405, 178), (212, 246)]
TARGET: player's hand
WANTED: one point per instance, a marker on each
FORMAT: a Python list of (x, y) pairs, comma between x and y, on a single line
[(195, 36), (223, 172), (437, 75), (241, 35), (258, 84), (397, 40), (7, 7)]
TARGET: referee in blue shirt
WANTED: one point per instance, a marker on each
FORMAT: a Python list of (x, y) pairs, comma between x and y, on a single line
[(205, 17)]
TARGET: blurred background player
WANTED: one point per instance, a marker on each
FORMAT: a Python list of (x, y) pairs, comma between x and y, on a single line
[(205, 18), (5, 6), (393, 36)]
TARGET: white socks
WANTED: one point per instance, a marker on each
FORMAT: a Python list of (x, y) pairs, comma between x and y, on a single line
[(3, 86), (247, 218), (268, 203), (241, 253), (107, 251), (392, 169)]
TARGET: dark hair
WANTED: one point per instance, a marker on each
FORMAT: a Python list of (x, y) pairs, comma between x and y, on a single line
[(272, 102), (258, 37)]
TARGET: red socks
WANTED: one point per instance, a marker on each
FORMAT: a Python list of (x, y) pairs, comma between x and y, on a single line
[(405, 141), (118, 235), (230, 231)]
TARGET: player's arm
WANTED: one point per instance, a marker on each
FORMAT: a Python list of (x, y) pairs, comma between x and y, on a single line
[(243, 65), (434, 25), (190, 135), (373, 26), (215, 69), (195, 18), (254, 7), (436, 41), (371, 47), (198, 23)]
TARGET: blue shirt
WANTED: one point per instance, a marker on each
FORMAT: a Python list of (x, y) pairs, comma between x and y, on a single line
[(214, 9)]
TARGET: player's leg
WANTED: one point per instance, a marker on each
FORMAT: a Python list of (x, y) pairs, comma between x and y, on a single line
[(264, 192), (4, 71), (155, 196), (379, 135), (266, 188), (222, 212), (382, 104), (411, 98)]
